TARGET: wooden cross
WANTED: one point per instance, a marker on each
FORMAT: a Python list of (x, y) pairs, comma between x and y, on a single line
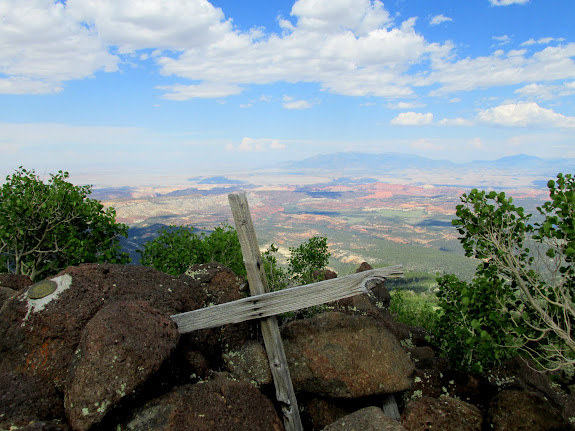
[(266, 305)]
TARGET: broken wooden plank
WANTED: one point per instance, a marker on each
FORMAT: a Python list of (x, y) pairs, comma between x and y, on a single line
[(257, 280), (292, 299)]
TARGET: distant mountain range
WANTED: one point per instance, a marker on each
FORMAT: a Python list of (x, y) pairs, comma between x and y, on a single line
[(373, 164)]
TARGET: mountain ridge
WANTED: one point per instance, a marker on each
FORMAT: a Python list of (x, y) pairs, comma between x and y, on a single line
[(400, 161)]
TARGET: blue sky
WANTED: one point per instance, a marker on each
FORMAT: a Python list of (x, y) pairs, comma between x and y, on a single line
[(136, 89)]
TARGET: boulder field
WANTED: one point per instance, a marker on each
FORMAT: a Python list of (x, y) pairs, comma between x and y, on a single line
[(101, 353)]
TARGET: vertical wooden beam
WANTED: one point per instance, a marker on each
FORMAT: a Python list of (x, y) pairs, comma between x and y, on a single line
[(257, 280)]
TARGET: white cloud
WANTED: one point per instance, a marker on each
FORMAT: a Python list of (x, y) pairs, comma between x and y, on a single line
[(347, 47), (167, 24), (43, 46), (21, 85), (500, 69), (538, 91), (476, 143), (297, 104), (206, 90), (333, 16), (502, 40), (542, 41), (277, 145), (405, 105), (249, 144), (507, 2), (412, 119), (262, 144), (438, 19), (525, 115), (455, 122)]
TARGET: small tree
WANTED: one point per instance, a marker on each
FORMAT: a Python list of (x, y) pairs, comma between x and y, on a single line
[(307, 258), (45, 227), (530, 266)]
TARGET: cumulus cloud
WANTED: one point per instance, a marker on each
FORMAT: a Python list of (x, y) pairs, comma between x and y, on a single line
[(507, 2), (412, 119), (501, 68), (333, 16), (250, 145), (525, 115), (347, 47), (168, 24), (43, 46), (438, 19)]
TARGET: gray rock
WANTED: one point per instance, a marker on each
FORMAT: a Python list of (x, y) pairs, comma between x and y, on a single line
[(367, 419), (249, 363)]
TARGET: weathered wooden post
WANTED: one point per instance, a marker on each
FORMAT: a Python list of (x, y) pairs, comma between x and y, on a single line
[(258, 284), (266, 305)]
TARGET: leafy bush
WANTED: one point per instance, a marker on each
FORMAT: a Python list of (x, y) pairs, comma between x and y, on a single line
[(472, 330), (178, 247), (307, 258), (278, 277), (524, 289), (46, 227)]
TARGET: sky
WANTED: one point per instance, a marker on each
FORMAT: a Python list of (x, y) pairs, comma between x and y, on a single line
[(139, 89)]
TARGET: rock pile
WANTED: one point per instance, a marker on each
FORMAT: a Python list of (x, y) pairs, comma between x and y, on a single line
[(101, 353)]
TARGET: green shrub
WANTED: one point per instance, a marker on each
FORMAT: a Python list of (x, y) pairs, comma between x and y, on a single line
[(178, 247), (48, 226), (523, 294)]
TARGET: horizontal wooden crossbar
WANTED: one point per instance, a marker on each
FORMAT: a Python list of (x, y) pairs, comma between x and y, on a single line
[(282, 301)]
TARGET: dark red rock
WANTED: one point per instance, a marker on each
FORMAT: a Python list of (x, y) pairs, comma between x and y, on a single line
[(317, 412), (39, 337), (53, 425), (513, 410), (518, 374), (445, 414), (15, 282), (25, 399), (324, 274), (121, 346), (363, 267), (337, 355), (217, 405), (5, 293), (367, 419), (215, 284)]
